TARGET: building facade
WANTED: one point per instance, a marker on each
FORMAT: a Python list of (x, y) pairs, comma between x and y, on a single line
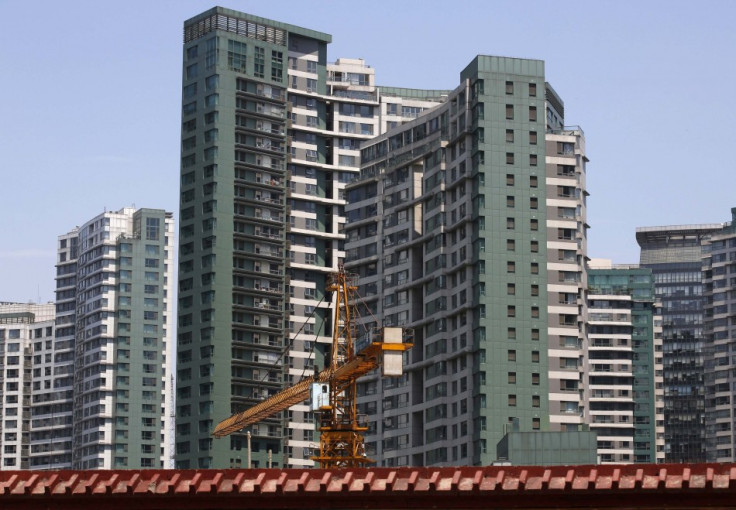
[(719, 289), (567, 248), (623, 376), (270, 137), (25, 331), (101, 396), (453, 233), (674, 254)]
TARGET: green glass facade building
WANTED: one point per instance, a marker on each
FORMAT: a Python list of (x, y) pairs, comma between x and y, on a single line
[(447, 228), (270, 136), (624, 385)]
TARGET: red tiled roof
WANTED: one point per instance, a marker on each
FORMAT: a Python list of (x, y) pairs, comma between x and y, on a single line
[(627, 486)]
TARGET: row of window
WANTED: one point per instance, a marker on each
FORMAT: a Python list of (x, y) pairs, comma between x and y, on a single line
[(532, 90), (510, 136), (510, 113)]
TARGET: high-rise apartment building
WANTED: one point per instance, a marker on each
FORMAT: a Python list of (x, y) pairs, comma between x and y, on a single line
[(270, 137), (674, 254), (455, 225), (25, 331), (623, 365), (719, 289), (100, 394), (567, 248), (86, 383)]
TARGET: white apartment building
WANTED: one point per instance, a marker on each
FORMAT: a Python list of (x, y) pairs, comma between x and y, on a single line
[(26, 332)]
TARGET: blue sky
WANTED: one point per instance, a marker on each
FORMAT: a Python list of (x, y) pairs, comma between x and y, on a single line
[(90, 103)]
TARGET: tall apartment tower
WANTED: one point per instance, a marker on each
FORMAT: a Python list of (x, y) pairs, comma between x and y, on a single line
[(567, 248), (101, 400), (719, 289), (54, 416), (674, 254), (623, 373), (449, 230), (25, 330), (270, 136)]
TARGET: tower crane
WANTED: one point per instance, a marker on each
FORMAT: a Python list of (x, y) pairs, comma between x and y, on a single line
[(333, 390)]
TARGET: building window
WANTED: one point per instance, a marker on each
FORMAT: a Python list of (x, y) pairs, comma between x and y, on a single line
[(510, 201), (535, 312), (532, 90), (512, 378), (277, 65), (510, 289), (535, 379), (534, 268), (512, 400), (192, 71), (236, 55), (533, 203), (511, 355), (535, 356), (509, 134), (535, 290), (510, 266), (211, 82), (532, 137), (510, 224), (510, 245), (509, 179), (510, 112), (535, 423), (534, 224), (532, 160), (212, 100), (532, 114), (153, 228), (533, 182), (509, 87), (510, 311), (509, 158), (535, 334), (536, 401), (259, 62), (511, 333)]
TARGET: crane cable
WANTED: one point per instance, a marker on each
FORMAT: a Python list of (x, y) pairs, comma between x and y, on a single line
[(291, 342)]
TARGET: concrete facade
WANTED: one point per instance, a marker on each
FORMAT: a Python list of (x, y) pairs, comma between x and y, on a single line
[(25, 331), (270, 137), (449, 229), (101, 388), (674, 254), (719, 290), (624, 365)]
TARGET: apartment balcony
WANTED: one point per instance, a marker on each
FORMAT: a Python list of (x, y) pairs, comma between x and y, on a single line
[(268, 180), (268, 110), (621, 370), (612, 421), (267, 251), (266, 216)]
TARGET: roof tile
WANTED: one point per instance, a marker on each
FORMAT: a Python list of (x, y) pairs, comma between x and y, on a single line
[(462, 487)]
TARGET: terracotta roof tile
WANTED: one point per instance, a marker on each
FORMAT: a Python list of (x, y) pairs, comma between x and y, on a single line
[(645, 486)]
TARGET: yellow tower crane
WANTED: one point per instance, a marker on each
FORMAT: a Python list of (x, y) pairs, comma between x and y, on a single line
[(333, 390)]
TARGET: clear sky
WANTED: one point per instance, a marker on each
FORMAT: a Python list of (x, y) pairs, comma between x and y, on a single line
[(90, 102)]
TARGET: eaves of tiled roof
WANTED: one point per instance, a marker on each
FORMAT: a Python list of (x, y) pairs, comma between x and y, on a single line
[(608, 486)]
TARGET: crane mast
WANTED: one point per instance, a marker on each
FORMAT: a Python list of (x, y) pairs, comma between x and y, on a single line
[(341, 436), (333, 390)]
